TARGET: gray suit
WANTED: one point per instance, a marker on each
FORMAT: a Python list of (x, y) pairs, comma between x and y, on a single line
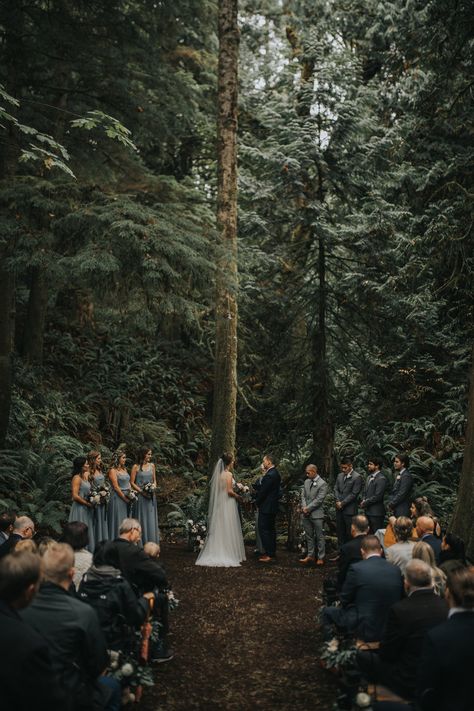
[(347, 491), (313, 493)]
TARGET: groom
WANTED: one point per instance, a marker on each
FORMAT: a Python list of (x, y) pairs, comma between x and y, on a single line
[(267, 503)]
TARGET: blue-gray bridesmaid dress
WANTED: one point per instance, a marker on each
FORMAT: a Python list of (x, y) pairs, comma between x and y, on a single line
[(101, 529), (147, 512), (118, 508), (85, 514)]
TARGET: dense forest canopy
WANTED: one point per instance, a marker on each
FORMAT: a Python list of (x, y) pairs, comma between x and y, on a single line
[(355, 239)]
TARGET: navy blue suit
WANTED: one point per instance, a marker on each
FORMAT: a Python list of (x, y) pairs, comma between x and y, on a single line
[(435, 543), (400, 499), (267, 502)]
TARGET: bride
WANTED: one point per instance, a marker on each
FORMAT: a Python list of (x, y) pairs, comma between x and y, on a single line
[(224, 546)]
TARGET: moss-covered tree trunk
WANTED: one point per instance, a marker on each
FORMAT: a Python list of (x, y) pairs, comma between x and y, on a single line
[(463, 519), (225, 368)]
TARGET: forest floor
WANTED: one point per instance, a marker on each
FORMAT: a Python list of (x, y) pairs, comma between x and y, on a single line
[(243, 638)]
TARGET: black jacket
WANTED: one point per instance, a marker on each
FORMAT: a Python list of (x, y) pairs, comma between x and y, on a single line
[(116, 604), (407, 624), (27, 680), (10, 544), (76, 644), (373, 495), (400, 497), (142, 572), (350, 553), (435, 543), (269, 493), (445, 678)]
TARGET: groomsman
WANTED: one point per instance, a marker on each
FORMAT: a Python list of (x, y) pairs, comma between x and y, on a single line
[(313, 493), (346, 491), (374, 491), (400, 498)]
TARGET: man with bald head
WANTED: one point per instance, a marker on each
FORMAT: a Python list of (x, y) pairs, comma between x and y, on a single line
[(425, 527), (23, 527), (313, 493)]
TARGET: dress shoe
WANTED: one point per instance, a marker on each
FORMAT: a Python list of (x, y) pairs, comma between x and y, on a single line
[(320, 561), (335, 558), (265, 559), (309, 560)]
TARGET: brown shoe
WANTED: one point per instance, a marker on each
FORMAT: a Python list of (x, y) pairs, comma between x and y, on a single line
[(320, 561), (265, 559), (307, 561)]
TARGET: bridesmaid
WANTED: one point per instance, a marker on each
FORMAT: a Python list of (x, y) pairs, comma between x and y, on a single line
[(81, 509), (97, 479), (143, 473), (118, 506)]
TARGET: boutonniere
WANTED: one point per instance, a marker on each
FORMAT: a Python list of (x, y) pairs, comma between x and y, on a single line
[(399, 476)]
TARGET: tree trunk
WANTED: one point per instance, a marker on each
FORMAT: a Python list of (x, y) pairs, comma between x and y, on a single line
[(7, 329), (463, 518), (225, 367), (323, 427), (33, 335)]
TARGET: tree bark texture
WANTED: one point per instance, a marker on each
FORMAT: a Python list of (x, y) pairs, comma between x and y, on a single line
[(33, 335), (225, 365), (463, 518)]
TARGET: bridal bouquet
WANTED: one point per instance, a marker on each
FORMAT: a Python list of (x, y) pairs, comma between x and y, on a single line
[(242, 490), (149, 489)]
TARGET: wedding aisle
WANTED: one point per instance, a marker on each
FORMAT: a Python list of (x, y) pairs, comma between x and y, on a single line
[(243, 638)]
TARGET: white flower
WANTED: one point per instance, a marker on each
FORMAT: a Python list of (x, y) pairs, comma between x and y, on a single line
[(190, 522), (203, 528), (127, 669), (131, 698), (333, 645), (114, 665)]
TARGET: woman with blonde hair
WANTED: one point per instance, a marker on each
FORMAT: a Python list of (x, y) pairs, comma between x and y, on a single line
[(424, 552)]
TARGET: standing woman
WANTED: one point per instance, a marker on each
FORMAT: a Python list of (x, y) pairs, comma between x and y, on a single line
[(119, 501), (82, 509), (97, 479), (144, 473)]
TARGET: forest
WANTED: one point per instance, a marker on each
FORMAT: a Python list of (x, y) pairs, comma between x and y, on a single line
[(323, 306)]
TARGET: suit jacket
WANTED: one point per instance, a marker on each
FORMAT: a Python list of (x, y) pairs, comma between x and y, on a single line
[(400, 497), (374, 491), (350, 553), (10, 544), (27, 680), (445, 677), (372, 586), (313, 493), (435, 543), (402, 642), (141, 571), (269, 493), (347, 491)]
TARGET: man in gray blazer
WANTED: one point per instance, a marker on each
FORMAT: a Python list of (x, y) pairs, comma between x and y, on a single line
[(313, 493)]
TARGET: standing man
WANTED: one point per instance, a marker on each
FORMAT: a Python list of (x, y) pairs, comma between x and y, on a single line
[(400, 498), (313, 493), (346, 491), (372, 503), (267, 502)]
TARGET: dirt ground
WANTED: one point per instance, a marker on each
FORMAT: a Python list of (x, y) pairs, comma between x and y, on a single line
[(243, 637)]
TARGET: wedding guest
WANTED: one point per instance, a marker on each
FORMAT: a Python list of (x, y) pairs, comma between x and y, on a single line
[(400, 497), (97, 480), (346, 491), (453, 554), (27, 679), (424, 552), (143, 475), (82, 509), (44, 544), (313, 494), (373, 496), (23, 527), (445, 679), (152, 549), (120, 500), (76, 534), (421, 507), (6, 526), (351, 551), (425, 531), (402, 551), (72, 632), (26, 545)]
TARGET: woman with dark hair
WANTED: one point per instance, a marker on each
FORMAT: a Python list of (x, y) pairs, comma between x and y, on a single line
[(97, 479), (118, 608), (120, 499), (82, 509), (453, 553), (143, 480), (76, 534)]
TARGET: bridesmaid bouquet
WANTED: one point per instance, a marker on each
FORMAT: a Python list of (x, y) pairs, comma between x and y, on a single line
[(94, 498), (103, 492), (132, 497), (149, 489)]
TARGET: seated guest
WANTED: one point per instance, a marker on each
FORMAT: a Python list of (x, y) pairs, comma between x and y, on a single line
[(401, 551), (118, 608), (6, 526), (76, 534), (72, 632), (145, 575), (421, 507), (350, 551), (395, 664), (27, 680), (425, 531), (23, 527), (445, 677), (371, 587), (423, 551), (26, 545), (453, 555), (152, 549)]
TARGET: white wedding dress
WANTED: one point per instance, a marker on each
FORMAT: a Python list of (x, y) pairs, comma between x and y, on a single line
[(224, 546)]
